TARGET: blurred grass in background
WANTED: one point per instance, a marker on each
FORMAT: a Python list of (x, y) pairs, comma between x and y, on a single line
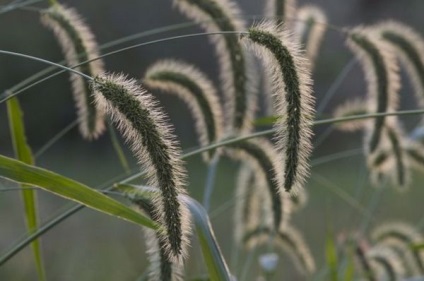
[(92, 246)]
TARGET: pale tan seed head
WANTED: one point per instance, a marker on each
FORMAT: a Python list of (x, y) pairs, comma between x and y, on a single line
[(408, 46), (382, 77), (196, 90), (357, 106), (252, 208), (281, 11), (386, 263), (78, 45), (265, 162), (236, 67), (398, 234), (310, 26), (289, 240)]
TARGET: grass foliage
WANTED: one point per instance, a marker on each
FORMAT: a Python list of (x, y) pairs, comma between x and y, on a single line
[(265, 78)]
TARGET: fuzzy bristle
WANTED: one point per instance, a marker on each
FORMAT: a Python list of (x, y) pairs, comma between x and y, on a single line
[(144, 126), (409, 47), (289, 240), (310, 28), (78, 45), (381, 73), (265, 161), (403, 234), (292, 94), (161, 267), (237, 69), (281, 11), (197, 91), (386, 263), (351, 108), (252, 206)]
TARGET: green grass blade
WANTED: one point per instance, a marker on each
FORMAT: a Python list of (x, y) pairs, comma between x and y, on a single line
[(331, 256), (349, 273), (217, 267), (20, 172), (24, 154)]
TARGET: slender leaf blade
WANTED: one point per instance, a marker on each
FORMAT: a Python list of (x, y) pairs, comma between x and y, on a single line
[(20, 172), (29, 198), (331, 256)]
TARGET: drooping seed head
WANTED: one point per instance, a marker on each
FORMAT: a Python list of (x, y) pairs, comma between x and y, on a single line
[(144, 126), (266, 163), (252, 206), (415, 153), (237, 69), (78, 45), (409, 47), (161, 268), (405, 234), (386, 263), (350, 108), (281, 11), (310, 28), (382, 77), (197, 91), (288, 240), (292, 94)]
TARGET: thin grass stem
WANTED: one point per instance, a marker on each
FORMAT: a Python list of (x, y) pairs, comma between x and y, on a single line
[(118, 149), (45, 62), (210, 182)]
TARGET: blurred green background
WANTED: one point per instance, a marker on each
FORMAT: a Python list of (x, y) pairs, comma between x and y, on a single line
[(93, 246)]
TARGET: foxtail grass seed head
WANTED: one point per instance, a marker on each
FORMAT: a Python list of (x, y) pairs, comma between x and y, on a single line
[(197, 91), (310, 27), (78, 45), (382, 77), (299, 200), (386, 263), (288, 240), (249, 195), (415, 153), (266, 162), (161, 268), (350, 108), (292, 93), (368, 270), (144, 126), (404, 234), (237, 69), (281, 11), (400, 176), (409, 47)]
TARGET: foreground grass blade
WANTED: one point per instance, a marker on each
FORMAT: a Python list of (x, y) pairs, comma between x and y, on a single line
[(24, 154), (215, 262), (20, 172), (331, 256)]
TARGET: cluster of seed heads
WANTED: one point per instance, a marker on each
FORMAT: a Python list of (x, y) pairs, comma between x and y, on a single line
[(271, 183)]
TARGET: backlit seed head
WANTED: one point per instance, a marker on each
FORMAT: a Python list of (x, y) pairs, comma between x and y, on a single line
[(292, 94), (382, 77), (237, 69), (78, 45), (197, 91), (265, 162), (310, 27), (281, 11), (351, 108), (144, 126)]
